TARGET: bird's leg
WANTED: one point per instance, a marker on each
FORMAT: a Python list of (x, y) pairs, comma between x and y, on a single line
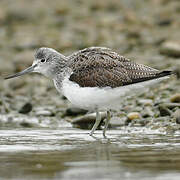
[(98, 120), (108, 117)]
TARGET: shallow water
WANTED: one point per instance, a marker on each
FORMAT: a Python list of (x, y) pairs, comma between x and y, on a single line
[(73, 154)]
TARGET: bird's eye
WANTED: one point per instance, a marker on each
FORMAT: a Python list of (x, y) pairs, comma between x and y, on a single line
[(43, 60)]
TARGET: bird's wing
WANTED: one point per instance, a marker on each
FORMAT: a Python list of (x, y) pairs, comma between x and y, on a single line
[(101, 67)]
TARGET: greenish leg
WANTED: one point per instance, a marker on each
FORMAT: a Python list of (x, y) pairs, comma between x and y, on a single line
[(106, 123), (98, 120)]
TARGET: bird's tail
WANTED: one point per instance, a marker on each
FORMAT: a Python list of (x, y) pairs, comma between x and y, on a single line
[(164, 73)]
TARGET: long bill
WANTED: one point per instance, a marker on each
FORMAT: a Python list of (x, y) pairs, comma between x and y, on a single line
[(28, 70)]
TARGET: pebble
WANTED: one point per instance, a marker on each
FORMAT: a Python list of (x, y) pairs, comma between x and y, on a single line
[(171, 105), (177, 116), (145, 102), (117, 121), (26, 124), (170, 49), (133, 115), (177, 71), (26, 108), (44, 113), (87, 121), (164, 22), (147, 112), (74, 111), (160, 119), (145, 121), (175, 98), (164, 111)]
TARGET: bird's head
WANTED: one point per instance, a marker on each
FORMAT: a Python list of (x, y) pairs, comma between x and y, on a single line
[(47, 61)]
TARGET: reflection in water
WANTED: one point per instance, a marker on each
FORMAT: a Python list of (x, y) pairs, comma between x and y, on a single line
[(73, 154)]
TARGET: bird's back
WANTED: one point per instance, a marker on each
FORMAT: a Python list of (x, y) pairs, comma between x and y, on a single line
[(101, 67)]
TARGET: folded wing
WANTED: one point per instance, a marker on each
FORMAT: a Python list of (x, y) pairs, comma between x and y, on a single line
[(101, 67)]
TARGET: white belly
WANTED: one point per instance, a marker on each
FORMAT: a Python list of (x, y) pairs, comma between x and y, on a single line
[(91, 98)]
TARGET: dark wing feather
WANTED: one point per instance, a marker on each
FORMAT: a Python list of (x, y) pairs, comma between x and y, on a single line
[(102, 67)]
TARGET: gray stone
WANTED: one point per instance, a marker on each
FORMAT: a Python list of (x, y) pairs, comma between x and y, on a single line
[(147, 112), (117, 121), (73, 111), (26, 124), (171, 105), (175, 98), (170, 48), (44, 113), (164, 111), (177, 116), (87, 121), (177, 71), (26, 108), (145, 102), (160, 119)]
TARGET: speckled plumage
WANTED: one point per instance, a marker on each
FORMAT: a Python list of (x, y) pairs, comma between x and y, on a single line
[(101, 67)]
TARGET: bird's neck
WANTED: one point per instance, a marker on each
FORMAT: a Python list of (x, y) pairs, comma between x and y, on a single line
[(58, 68), (60, 76)]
